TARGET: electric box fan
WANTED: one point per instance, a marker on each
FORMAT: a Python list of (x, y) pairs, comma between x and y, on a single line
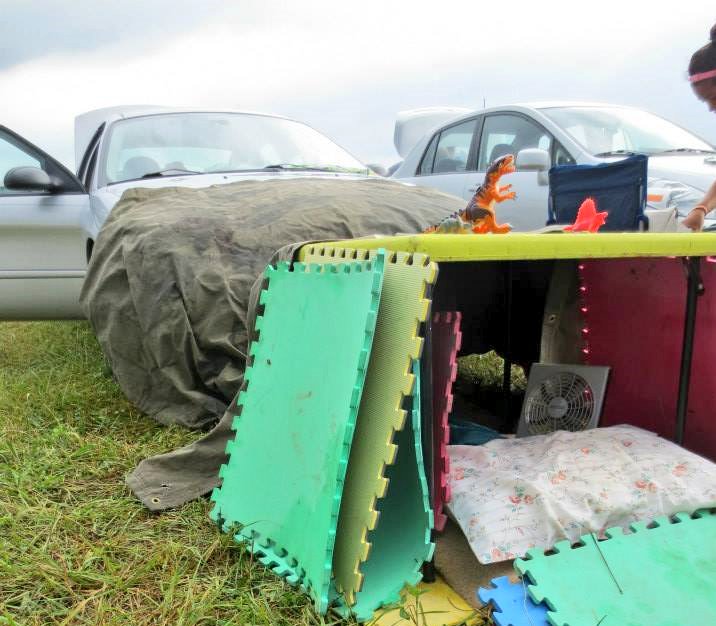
[(562, 397)]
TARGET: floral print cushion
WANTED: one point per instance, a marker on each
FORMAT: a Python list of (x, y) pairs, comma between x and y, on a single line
[(510, 495)]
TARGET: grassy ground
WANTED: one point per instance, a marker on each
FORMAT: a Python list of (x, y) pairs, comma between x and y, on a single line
[(75, 547), (485, 370)]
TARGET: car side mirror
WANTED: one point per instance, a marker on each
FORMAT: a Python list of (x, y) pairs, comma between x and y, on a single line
[(537, 160), (28, 178)]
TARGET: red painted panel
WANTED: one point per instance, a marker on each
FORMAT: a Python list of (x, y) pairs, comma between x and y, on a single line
[(634, 320)]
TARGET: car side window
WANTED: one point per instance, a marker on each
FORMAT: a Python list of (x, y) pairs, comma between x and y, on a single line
[(89, 159), (508, 134), (11, 156), (426, 165), (453, 148), (87, 178)]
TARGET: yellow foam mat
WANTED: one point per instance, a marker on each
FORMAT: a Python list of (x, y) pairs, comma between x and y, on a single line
[(403, 306), (428, 604)]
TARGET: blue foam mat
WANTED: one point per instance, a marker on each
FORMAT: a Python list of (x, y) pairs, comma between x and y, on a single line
[(512, 604)]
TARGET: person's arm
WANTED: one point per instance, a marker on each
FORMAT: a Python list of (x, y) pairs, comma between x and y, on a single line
[(695, 219)]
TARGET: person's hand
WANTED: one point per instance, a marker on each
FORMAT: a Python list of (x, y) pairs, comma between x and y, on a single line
[(695, 219)]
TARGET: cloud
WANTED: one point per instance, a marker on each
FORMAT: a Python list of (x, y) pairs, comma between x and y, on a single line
[(347, 68), (31, 30)]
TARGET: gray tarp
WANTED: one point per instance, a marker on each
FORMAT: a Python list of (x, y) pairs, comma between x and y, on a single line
[(168, 294)]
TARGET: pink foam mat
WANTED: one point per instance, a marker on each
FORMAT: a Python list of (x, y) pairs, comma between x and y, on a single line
[(633, 312), (446, 339)]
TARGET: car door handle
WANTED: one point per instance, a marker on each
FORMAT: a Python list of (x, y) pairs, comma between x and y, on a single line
[(474, 189)]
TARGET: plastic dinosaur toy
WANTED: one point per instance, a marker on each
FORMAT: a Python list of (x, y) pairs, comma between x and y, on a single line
[(479, 214), (588, 219), (454, 224)]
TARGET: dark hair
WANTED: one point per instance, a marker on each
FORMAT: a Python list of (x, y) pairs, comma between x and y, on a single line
[(704, 59)]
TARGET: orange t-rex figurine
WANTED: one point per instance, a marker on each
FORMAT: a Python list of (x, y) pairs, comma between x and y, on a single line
[(481, 209), (479, 214)]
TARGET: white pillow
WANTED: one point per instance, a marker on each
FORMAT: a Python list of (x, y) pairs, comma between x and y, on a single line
[(510, 495)]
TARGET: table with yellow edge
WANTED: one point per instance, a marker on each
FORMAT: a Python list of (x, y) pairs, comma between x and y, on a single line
[(529, 246), (526, 247)]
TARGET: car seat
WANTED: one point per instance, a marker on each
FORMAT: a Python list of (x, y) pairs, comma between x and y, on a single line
[(138, 166), (448, 165), (445, 163), (500, 150)]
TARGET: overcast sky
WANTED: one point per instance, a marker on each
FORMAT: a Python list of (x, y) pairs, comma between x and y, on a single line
[(345, 68)]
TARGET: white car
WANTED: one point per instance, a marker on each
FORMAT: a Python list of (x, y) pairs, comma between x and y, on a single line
[(50, 217), (454, 154)]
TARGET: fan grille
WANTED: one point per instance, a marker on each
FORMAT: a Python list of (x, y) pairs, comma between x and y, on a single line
[(562, 401)]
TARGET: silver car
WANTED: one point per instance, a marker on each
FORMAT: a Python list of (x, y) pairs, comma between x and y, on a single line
[(50, 217), (454, 154)]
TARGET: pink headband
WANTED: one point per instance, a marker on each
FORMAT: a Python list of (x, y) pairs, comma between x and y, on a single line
[(697, 78)]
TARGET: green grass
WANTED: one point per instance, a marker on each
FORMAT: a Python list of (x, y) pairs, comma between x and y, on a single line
[(485, 371), (75, 546)]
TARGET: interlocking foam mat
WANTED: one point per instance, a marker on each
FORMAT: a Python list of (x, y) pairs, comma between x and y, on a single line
[(429, 604), (663, 575), (400, 542), (446, 339), (512, 605), (403, 307), (282, 485)]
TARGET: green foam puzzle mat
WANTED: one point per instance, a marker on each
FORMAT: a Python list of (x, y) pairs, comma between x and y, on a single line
[(403, 307), (281, 487), (663, 574), (400, 542)]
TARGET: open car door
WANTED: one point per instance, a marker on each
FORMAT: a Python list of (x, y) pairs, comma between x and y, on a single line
[(44, 213)]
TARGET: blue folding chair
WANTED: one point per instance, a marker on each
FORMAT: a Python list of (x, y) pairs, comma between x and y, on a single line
[(618, 188)]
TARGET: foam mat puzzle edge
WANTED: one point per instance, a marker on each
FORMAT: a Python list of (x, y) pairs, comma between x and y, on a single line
[(512, 604), (405, 567), (426, 272), (416, 575), (546, 585), (447, 339), (276, 558)]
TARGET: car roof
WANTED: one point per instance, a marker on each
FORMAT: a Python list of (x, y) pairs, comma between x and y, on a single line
[(86, 124), (536, 106), (526, 106), (551, 104)]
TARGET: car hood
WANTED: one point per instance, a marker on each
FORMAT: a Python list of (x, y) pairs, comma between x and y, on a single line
[(207, 180), (103, 199), (696, 170)]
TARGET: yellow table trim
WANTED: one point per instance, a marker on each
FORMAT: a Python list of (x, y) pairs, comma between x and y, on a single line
[(533, 246)]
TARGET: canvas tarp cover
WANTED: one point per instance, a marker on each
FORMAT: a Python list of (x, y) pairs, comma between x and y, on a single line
[(173, 281)]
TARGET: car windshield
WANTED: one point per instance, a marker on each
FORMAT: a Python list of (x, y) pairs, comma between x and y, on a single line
[(606, 131), (199, 143)]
